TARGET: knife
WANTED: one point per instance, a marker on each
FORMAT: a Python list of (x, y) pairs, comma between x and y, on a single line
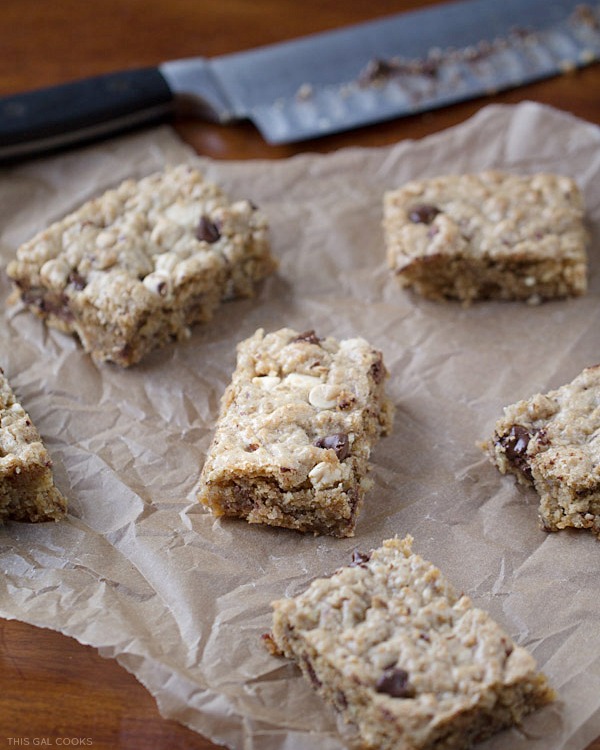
[(323, 83)]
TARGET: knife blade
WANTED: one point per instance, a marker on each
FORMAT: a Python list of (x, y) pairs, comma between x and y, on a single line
[(323, 83)]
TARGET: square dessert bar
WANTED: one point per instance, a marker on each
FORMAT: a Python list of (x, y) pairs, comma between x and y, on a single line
[(136, 267), (296, 428), (27, 491), (404, 658), (488, 236), (552, 442)]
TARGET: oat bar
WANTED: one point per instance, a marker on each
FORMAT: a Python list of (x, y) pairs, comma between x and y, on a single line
[(488, 236), (295, 432), (27, 490), (136, 267), (552, 442), (413, 665)]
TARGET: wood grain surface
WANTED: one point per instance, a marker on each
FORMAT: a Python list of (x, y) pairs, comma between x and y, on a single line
[(52, 687)]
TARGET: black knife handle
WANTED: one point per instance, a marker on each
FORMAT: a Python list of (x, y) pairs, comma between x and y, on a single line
[(70, 114)]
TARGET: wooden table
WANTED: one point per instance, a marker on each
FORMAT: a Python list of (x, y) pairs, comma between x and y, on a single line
[(50, 686)]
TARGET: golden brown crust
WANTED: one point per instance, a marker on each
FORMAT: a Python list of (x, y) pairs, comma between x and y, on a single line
[(295, 433), (393, 647), (136, 267), (491, 235), (27, 490)]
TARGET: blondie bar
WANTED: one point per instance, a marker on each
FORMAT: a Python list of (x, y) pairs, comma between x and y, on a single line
[(552, 442), (413, 665), (491, 235), (296, 428), (27, 491), (136, 267)]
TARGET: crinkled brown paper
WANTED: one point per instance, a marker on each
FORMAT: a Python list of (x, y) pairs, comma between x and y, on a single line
[(143, 573)]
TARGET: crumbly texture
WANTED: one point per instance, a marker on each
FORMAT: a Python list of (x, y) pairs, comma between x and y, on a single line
[(136, 267), (552, 442), (488, 236), (296, 428), (413, 665), (27, 491)]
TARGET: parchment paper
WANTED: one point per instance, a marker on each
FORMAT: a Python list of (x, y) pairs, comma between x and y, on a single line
[(142, 572)]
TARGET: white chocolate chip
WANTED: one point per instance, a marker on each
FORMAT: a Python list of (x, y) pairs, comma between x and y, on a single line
[(297, 380), (8, 443), (325, 474), (55, 272), (165, 233), (324, 396), (267, 382), (106, 238), (105, 258), (158, 283), (187, 268), (184, 215), (166, 262)]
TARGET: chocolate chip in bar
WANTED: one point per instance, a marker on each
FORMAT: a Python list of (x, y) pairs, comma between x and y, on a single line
[(423, 213), (359, 558), (310, 337), (78, 281), (515, 447), (377, 369), (339, 442), (207, 230), (395, 683)]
